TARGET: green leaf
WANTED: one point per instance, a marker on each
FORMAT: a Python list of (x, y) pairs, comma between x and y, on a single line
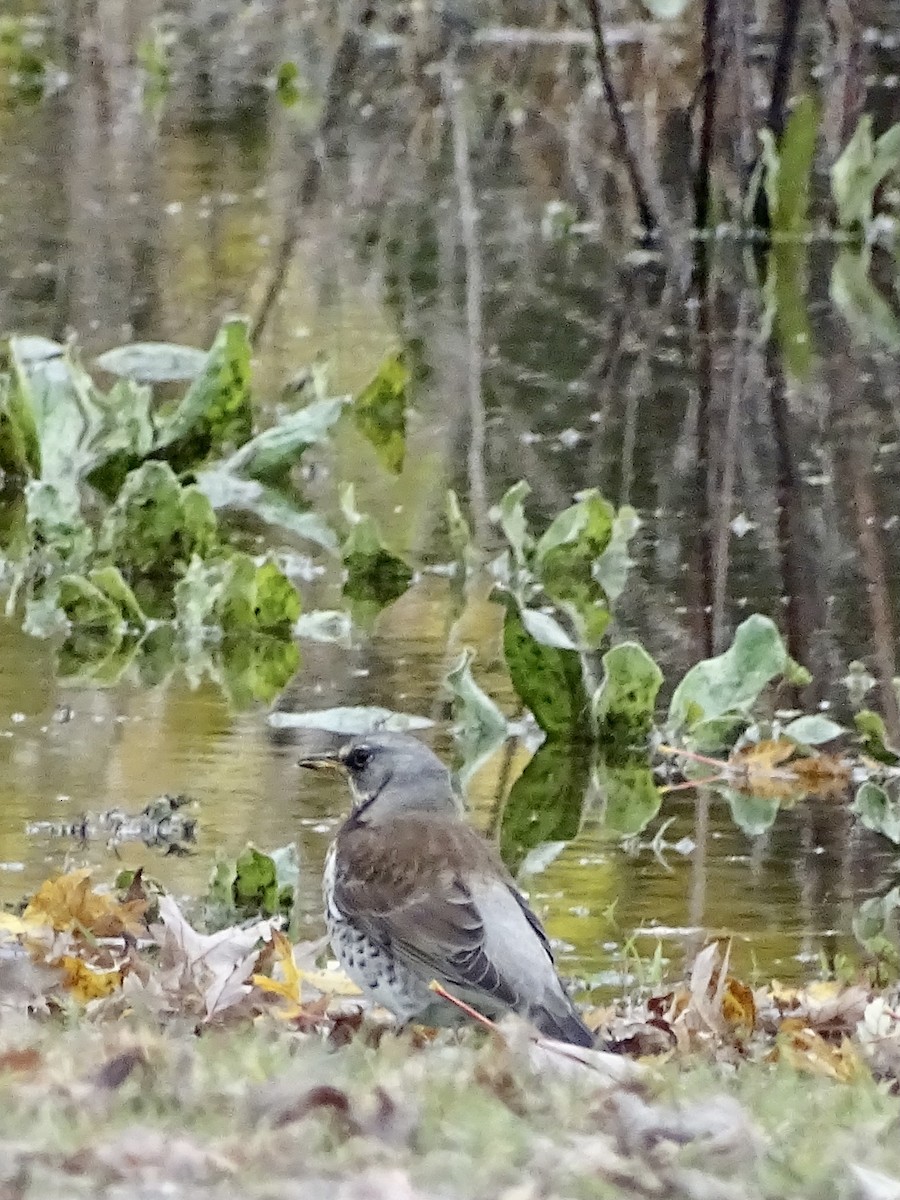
[(156, 526), (875, 926), (236, 595), (56, 524), (611, 568), (87, 607), (873, 738), (813, 730), (715, 733), (631, 798), (360, 719), (379, 411), (227, 491), (877, 810), (546, 801), (789, 167), (859, 171), (625, 701), (216, 410), (565, 557), (480, 726), (513, 522), (548, 680), (870, 317), (785, 292), (254, 668), (754, 814), (153, 362), (458, 528), (256, 884), (20, 453), (272, 453), (375, 575), (731, 682), (286, 90)]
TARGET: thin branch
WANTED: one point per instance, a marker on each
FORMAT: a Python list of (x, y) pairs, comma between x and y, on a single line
[(708, 124), (638, 185), (468, 217)]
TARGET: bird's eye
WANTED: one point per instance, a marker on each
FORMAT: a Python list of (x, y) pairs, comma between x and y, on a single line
[(359, 758)]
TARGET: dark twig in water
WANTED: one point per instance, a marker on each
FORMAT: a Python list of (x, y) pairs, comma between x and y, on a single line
[(468, 217), (344, 67), (638, 185), (708, 123)]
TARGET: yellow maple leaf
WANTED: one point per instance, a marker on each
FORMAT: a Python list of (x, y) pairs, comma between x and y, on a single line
[(290, 986), (84, 982), (68, 902)]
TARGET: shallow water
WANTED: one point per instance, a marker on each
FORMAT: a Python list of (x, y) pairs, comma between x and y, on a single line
[(590, 375)]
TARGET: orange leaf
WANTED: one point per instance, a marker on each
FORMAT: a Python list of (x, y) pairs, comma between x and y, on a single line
[(68, 902), (738, 1006), (84, 982)]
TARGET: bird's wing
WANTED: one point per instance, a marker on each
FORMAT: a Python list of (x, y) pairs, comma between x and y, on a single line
[(412, 896)]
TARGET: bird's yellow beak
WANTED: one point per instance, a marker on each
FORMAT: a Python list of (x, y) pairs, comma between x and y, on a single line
[(326, 761)]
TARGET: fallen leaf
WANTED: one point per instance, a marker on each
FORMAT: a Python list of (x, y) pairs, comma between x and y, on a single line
[(738, 1006), (214, 968), (68, 902), (806, 1050), (85, 983)]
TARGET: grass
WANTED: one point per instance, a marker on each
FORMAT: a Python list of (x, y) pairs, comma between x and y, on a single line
[(261, 1111)]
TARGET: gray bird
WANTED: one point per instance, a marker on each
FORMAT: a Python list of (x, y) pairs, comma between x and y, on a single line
[(414, 894)]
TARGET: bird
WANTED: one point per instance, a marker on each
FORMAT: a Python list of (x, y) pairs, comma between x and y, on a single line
[(414, 894)]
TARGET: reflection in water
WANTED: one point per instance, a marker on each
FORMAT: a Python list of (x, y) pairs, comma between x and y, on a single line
[(765, 476)]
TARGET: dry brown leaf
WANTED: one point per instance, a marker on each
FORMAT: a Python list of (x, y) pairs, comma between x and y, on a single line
[(738, 1006), (806, 1050), (214, 968), (69, 903), (772, 770)]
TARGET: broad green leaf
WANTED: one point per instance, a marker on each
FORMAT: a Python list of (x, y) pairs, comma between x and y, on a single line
[(716, 733), (875, 926), (67, 411), (258, 597), (870, 317), (57, 526), (877, 810), (546, 629), (548, 680), (611, 568), (479, 724), (156, 525), (375, 575), (379, 411), (873, 738), (215, 412), (254, 668), (362, 719), (564, 560), (20, 452), (227, 491), (272, 453), (236, 595), (786, 303), (546, 801), (731, 682), (625, 701), (861, 168), (754, 814), (255, 884), (813, 730), (631, 798), (513, 522), (87, 607), (153, 362), (795, 155)]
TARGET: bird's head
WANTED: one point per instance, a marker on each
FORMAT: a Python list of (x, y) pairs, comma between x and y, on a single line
[(389, 774)]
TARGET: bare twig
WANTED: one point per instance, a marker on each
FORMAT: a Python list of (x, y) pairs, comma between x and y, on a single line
[(638, 185), (708, 123), (468, 217)]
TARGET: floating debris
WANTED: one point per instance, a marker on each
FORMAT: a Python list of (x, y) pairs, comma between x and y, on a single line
[(160, 823)]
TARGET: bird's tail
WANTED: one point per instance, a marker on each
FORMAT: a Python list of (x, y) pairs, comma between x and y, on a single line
[(564, 1026)]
